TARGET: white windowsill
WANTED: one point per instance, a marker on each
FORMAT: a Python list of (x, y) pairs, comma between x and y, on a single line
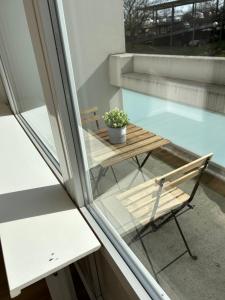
[(41, 230)]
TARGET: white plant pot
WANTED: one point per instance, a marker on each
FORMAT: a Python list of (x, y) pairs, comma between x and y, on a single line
[(117, 135)]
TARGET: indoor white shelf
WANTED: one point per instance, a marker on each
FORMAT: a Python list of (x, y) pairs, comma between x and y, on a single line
[(41, 230), (37, 247)]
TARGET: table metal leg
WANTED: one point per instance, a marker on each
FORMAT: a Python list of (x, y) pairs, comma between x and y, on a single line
[(114, 175), (138, 163), (141, 165)]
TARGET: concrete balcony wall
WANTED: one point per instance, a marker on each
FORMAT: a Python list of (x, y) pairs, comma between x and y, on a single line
[(197, 81), (200, 69)]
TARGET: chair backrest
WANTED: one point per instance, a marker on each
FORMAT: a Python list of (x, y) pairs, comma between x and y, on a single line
[(90, 115), (186, 172), (156, 197), (171, 180)]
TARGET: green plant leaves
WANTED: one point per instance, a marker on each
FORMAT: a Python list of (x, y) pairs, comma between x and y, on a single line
[(115, 118)]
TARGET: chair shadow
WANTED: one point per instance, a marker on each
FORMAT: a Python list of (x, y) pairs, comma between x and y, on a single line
[(34, 202), (215, 197)]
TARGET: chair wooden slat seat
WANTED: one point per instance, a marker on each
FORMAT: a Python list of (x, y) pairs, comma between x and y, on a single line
[(142, 206), (142, 198)]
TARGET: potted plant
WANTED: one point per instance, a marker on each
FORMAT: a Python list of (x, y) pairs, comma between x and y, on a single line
[(116, 120)]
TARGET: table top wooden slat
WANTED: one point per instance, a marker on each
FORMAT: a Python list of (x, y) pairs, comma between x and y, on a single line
[(133, 153), (139, 141), (131, 140), (103, 137), (131, 147)]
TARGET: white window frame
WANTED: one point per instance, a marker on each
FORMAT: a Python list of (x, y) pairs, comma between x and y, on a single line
[(62, 104), (7, 77)]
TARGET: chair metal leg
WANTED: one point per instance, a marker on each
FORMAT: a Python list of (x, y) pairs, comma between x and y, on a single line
[(146, 253), (149, 260), (92, 175), (144, 229), (94, 181), (140, 235), (140, 232), (114, 175), (100, 174), (104, 173), (183, 238), (172, 261)]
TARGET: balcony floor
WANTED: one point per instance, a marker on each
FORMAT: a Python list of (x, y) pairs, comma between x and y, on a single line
[(204, 228)]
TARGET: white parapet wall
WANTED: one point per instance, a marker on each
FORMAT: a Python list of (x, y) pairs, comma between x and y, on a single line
[(198, 81)]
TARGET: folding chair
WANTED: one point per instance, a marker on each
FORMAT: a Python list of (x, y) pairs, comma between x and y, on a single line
[(156, 202), (90, 115)]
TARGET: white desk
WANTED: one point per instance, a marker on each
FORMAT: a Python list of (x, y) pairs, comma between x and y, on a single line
[(41, 231), (36, 247)]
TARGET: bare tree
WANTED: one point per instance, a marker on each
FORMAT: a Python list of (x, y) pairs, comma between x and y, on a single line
[(135, 15)]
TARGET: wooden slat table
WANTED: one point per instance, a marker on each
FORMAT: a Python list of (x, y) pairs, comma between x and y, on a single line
[(139, 141)]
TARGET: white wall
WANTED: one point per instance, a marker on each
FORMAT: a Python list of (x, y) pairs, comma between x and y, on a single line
[(95, 30)]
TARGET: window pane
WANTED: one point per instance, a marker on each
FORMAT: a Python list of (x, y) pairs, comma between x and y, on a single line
[(175, 27), (155, 188), (21, 65)]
